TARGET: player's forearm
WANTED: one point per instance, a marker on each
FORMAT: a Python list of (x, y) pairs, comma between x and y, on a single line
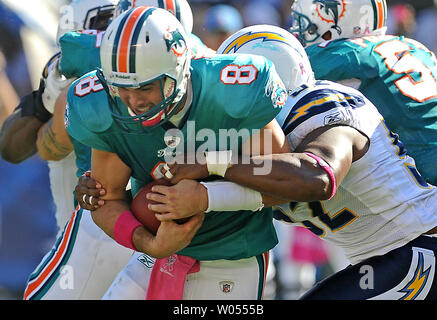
[(52, 144), (143, 240), (106, 216), (18, 137), (53, 139), (292, 177)]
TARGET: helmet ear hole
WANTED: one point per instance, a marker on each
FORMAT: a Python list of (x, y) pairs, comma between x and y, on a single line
[(327, 35)]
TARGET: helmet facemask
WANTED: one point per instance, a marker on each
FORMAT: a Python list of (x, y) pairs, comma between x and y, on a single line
[(303, 28), (129, 121), (98, 18), (84, 15)]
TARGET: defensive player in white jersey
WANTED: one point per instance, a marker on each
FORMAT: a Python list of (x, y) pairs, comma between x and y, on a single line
[(347, 178)]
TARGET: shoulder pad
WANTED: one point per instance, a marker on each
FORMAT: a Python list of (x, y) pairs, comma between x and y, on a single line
[(80, 53), (91, 102)]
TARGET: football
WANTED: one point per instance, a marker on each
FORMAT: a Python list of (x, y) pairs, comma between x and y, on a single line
[(139, 207)]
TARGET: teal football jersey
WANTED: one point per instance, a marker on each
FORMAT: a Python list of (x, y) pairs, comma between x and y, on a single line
[(399, 76), (80, 54), (239, 93)]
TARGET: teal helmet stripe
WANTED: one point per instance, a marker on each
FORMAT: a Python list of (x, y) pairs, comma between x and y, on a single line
[(375, 14), (178, 10), (117, 40), (136, 34)]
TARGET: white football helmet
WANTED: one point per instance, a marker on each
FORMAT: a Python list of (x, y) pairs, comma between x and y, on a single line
[(343, 18), (179, 8), (85, 14), (279, 46), (142, 45)]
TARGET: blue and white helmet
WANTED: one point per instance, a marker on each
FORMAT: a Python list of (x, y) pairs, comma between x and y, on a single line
[(312, 19), (279, 46)]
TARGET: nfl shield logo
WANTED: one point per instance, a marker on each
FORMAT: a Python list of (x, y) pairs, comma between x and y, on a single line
[(226, 286)]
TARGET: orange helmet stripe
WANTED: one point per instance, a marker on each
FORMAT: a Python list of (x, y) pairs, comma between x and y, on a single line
[(170, 6), (381, 14), (126, 37)]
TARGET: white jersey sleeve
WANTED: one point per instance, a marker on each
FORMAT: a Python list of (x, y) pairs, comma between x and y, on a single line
[(326, 103), (383, 202)]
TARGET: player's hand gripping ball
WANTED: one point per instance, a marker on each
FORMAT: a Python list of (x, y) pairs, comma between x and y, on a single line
[(140, 203)]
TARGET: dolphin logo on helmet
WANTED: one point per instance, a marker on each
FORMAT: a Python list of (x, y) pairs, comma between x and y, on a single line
[(175, 42), (331, 8)]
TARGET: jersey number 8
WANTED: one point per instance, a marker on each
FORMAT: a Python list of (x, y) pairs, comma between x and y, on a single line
[(232, 74), (86, 85)]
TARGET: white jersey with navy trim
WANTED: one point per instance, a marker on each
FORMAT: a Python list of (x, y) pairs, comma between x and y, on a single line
[(383, 202)]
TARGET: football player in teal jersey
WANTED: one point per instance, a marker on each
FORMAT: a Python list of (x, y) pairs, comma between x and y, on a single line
[(86, 243), (150, 90), (346, 42)]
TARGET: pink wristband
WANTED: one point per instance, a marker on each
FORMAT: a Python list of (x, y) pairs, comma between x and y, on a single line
[(322, 163), (124, 228)]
